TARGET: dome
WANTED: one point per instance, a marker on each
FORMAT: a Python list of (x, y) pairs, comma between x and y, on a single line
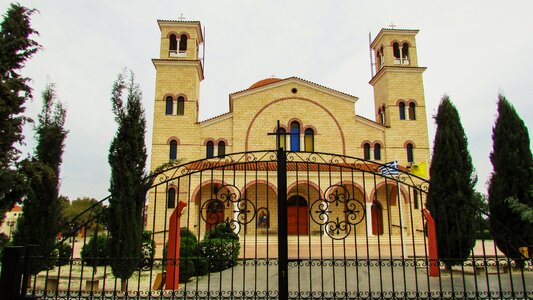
[(264, 82)]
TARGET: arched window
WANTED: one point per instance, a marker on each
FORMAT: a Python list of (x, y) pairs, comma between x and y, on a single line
[(410, 157), (173, 153), (181, 105), (282, 138), (379, 62), (412, 113), (402, 110), (295, 136), (210, 149), (405, 53), (221, 149), (309, 140), (366, 151), (377, 152), (173, 43), (169, 105), (396, 51), (183, 43), (171, 197), (381, 113)]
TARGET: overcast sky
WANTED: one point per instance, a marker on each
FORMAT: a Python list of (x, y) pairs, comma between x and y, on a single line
[(472, 50)]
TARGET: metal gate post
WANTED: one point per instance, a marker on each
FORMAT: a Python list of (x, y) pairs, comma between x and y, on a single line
[(283, 269), (11, 275)]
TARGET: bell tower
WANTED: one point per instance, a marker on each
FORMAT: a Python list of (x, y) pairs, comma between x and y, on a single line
[(399, 95), (179, 72)]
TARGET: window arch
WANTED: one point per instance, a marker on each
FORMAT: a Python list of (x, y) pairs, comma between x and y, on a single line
[(295, 136), (405, 52), (282, 138), (401, 107), (173, 43), (410, 157), (210, 149), (366, 151), (171, 198), (181, 106), (381, 114), (396, 51), (309, 140), (169, 105), (183, 42), (412, 111), (221, 149), (377, 152), (173, 151)]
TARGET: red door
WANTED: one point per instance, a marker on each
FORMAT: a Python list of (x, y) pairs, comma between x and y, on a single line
[(377, 219), (297, 216)]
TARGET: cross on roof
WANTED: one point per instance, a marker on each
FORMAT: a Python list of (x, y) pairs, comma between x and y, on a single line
[(392, 25), (181, 17)]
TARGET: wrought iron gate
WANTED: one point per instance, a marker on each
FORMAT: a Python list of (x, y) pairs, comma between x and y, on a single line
[(287, 225)]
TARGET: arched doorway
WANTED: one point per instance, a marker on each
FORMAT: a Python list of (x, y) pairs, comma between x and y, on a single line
[(377, 218), (297, 216)]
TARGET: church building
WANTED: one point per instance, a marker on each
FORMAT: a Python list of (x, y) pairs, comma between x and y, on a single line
[(313, 119)]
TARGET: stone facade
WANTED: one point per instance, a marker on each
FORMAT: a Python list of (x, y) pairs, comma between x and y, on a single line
[(323, 119)]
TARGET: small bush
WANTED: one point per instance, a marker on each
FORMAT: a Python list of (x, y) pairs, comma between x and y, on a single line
[(222, 231), (201, 266), (147, 251), (64, 252), (187, 269), (186, 233), (188, 245), (95, 253), (220, 253)]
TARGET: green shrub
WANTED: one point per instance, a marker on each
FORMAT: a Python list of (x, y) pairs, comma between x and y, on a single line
[(201, 266), (220, 253), (222, 231), (187, 269), (147, 251), (95, 253), (186, 233), (188, 245), (64, 252)]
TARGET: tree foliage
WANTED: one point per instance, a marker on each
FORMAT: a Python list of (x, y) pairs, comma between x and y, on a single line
[(16, 47), (451, 199), (41, 212), (84, 212), (512, 177), (129, 183)]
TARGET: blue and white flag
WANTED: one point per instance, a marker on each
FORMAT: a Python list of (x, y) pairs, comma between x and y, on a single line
[(389, 169)]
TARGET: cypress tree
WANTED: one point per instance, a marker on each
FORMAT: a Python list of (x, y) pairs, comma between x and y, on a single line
[(451, 198), (41, 212), (16, 47), (512, 178), (128, 186)]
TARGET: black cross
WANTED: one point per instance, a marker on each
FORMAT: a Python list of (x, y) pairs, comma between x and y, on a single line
[(278, 134)]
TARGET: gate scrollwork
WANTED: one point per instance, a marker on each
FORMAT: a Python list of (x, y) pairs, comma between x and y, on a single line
[(325, 212), (228, 197)]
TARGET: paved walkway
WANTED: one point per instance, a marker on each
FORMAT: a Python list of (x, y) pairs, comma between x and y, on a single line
[(313, 279)]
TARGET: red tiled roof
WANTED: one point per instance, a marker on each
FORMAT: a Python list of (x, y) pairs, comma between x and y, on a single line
[(263, 82), (291, 166)]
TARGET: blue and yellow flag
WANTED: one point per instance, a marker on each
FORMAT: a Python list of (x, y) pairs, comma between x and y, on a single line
[(420, 169)]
